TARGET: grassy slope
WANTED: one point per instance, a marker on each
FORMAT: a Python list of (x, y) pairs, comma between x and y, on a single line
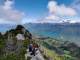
[(53, 55)]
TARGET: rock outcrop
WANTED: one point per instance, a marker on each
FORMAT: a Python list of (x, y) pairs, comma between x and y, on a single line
[(13, 44)]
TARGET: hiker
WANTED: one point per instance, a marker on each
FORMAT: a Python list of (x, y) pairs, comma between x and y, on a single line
[(30, 48), (33, 51)]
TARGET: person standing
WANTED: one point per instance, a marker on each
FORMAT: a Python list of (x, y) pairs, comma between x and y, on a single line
[(30, 48)]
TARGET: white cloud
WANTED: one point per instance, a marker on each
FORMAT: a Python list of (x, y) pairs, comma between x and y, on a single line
[(54, 8), (52, 17), (9, 14), (71, 20), (8, 4), (59, 13)]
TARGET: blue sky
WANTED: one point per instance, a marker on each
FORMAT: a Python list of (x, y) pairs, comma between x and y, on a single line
[(37, 8), (19, 11), (34, 8)]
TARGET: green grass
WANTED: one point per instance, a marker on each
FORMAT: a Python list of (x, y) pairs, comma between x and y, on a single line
[(51, 54)]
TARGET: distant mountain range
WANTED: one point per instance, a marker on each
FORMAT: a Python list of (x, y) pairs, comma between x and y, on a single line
[(61, 31)]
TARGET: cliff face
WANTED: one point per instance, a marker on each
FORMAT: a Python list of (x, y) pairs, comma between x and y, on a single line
[(19, 30), (12, 42)]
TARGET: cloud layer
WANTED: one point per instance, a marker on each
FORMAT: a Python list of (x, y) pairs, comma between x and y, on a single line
[(63, 10), (9, 14), (59, 13)]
